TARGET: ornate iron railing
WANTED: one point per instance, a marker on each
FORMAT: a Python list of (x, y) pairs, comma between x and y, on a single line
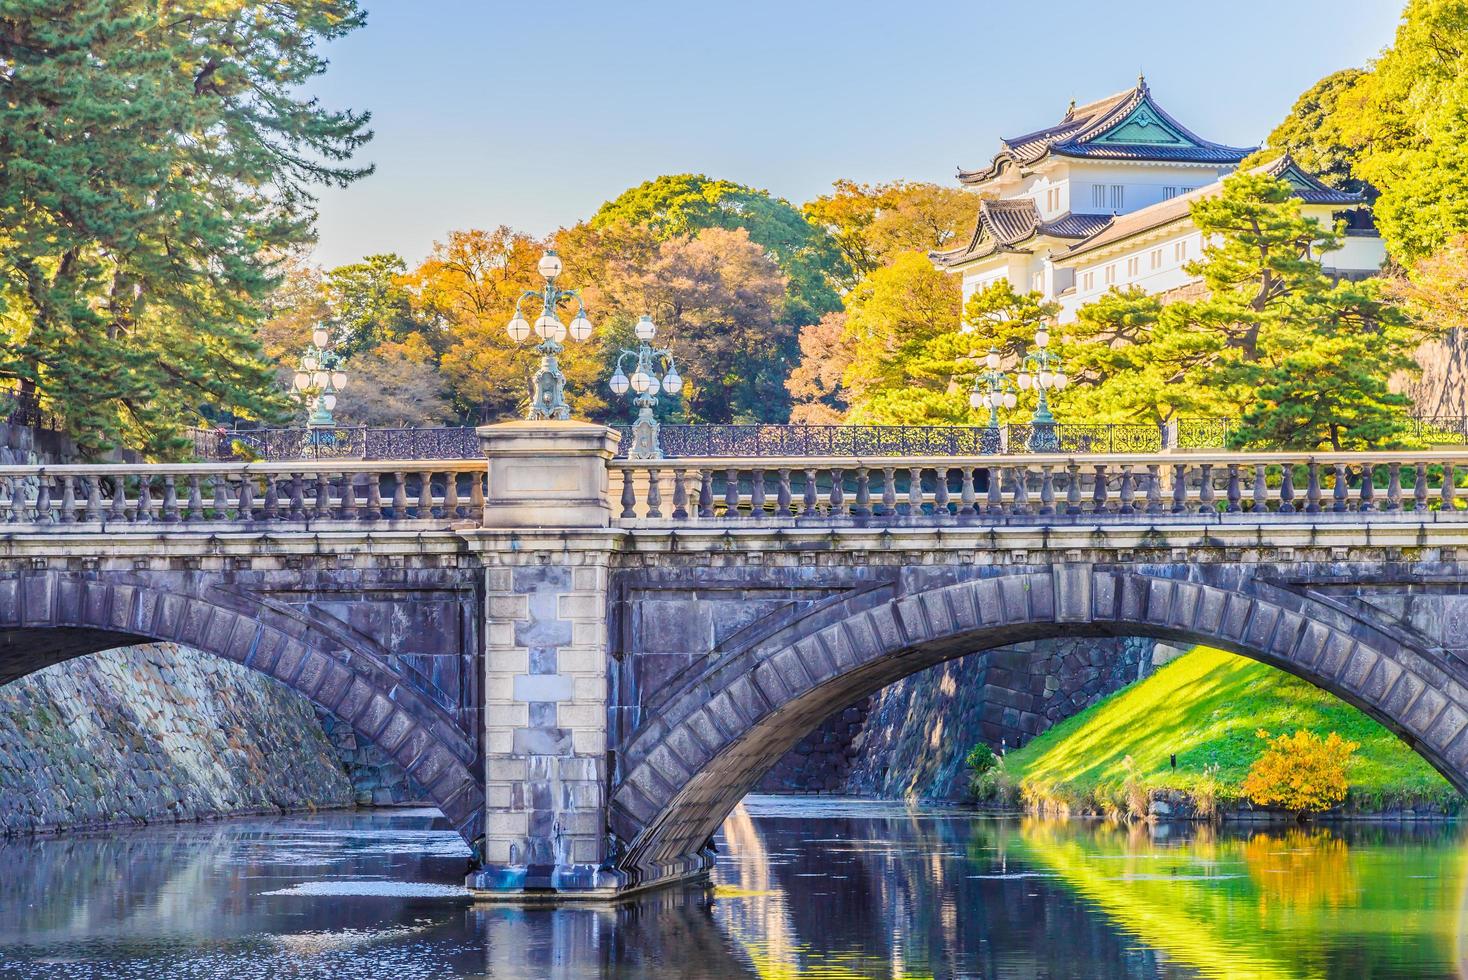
[(23, 408), (1441, 430), (341, 442)]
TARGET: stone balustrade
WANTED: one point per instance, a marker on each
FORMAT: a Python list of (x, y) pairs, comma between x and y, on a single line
[(132, 497), (1009, 488)]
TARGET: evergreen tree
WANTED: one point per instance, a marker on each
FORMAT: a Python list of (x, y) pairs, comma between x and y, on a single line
[(156, 165)]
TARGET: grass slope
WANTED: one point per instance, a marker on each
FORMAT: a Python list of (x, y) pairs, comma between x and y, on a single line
[(1206, 706)]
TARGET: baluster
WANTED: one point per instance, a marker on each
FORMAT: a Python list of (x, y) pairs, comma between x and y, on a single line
[(1128, 491), (245, 504), (1047, 489), (782, 493), (170, 500), (940, 491), (837, 497), (94, 498), (1261, 489), (374, 509), (272, 497), (863, 506), (1020, 498), (1287, 488), (1179, 488), (349, 497), (43, 499), (68, 501), (1342, 489), (1394, 487), (400, 495), (450, 494), (654, 494), (1312, 488), (966, 494), (731, 493), (810, 501), (1099, 490), (1073, 488), (196, 500), (996, 491), (298, 497), (1419, 489), (1235, 493), (629, 495), (1207, 500), (680, 494), (119, 499), (914, 490), (425, 494), (477, 480), (1368, 487), (144, 513), (889, 491), (757, 493), (705, 492), (221, 497), (321, 505), (1154, 488)]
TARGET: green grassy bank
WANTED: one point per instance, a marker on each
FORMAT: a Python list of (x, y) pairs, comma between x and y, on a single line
[(1206, 707)]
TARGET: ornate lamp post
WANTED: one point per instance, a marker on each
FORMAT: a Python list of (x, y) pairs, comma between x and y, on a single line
[(1043, 371), (645, 383), (992, 390), (548, 399), (319, 377)]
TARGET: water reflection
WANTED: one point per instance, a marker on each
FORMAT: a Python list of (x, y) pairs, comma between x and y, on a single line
[(803, 888)]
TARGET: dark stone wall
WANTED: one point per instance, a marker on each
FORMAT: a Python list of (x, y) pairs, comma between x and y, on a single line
[(157, 733), (910, 739), (377, 779)]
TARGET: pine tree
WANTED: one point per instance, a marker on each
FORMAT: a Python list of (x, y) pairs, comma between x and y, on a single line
[(156, 166)]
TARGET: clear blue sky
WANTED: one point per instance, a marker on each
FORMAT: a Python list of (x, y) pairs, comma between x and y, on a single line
[(532, 113)]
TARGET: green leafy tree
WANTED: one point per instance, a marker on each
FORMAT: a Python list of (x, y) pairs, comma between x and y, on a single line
[(156, 164), (371, 304), (1303, 359), (1407, 122), (681, 205), (1311, 133)]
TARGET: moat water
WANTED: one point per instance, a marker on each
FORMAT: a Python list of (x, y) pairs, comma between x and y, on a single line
[(804, 888)]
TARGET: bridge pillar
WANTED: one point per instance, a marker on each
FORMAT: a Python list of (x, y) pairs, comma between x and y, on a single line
[(546, 546)]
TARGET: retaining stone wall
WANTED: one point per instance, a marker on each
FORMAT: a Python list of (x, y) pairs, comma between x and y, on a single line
[(157, 733), (377, 779), (910, 739)]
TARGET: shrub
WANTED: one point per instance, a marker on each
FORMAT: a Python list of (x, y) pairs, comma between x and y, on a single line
[(1302, 773), (1206, 792), (1134, 788), (981, 759)]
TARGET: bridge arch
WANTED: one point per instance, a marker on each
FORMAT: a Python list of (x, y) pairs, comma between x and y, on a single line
[(50, 616), (727, 720)]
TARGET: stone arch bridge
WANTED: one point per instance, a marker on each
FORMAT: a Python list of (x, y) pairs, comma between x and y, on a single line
[(587, 662)]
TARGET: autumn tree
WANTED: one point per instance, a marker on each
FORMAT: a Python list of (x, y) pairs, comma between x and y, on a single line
[(682, 205), (157, 163), (394, 384), (907, 352), (468, 287), (718, 299), (1434, 293), (815, 383), (874, 223)]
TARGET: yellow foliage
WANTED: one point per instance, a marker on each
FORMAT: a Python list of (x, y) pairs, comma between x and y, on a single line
[(1301, 772)]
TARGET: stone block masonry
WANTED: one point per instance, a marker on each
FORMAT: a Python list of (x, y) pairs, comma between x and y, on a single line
[(157, 733)]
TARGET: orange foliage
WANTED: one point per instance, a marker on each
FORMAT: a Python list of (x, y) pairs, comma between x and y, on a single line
[(1301, 772)]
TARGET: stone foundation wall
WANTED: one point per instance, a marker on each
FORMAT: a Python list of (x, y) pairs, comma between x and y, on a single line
[(377, 780), (910, 739), (157, 733)]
